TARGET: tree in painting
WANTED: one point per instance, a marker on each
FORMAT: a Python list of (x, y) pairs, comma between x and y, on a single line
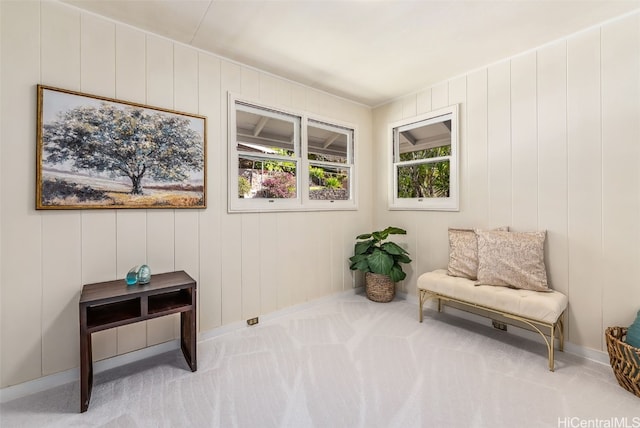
[(130, 142)]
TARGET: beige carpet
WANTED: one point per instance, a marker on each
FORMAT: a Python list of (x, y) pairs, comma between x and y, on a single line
[(347, 362)]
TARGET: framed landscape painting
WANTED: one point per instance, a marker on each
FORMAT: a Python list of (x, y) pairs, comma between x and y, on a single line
[(97, 152)]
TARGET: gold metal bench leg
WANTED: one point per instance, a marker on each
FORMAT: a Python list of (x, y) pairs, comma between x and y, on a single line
[(421, 297), (551, 347)]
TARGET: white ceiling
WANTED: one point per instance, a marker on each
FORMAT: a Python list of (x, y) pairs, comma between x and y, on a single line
[(364, 50)]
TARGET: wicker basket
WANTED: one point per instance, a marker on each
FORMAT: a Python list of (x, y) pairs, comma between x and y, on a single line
[(624, 358), (380, 288)]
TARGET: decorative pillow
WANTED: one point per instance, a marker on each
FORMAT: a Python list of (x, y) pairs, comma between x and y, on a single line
[(463, 252), (633, 333), (512, 259)]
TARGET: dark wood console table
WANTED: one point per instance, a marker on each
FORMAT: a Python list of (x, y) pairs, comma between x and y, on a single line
[(111, 304)]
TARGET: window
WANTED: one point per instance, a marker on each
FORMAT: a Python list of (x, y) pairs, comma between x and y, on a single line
[(329, 149), (283, 161), (425, 162)]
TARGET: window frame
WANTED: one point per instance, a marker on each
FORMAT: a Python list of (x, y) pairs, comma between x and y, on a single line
[(451, 203), (302, 202)]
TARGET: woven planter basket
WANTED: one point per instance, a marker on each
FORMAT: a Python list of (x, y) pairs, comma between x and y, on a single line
[(624, 358), (380, 288)]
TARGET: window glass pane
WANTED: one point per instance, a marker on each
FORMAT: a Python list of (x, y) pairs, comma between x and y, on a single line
[(424, 180), (262, 132), (328, 143), (266, 178), (424, 141), (328, 183)]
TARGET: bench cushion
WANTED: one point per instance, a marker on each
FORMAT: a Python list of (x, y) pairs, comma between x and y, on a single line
[(540, 306)]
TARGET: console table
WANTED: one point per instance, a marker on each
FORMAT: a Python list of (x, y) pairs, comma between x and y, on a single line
[(111, 304)]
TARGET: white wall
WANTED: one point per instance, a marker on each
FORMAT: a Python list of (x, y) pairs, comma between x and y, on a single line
[(245, 264), (550, 140)]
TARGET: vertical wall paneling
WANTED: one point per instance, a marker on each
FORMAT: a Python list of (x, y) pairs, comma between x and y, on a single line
[(423, 101), (187, 233), (250, 239), (21, 226), (231, 225), (99, 264), (337, 259), (251, 275), (476, 145), (98, 56), (270, 89), (130, 65), (315, 246), (97, 50), (161, 258), (298, 97), (411, 221), (435, 225), (60, 46), (160, 223), (131, 247), (499, 144), (551, 143), (285, 94), (209, 99), (54, 44), (61, 268), (61, 257), (583, 92), (250, 82), (231, 273), (292, 276), (409, 106), (268, 262), (458, 95), (285, 247), (440, 96), (552, 160), (585, 188), (620, 44), (131, 225), (524, 144)]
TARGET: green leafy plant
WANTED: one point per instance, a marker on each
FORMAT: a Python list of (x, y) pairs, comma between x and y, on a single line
[(244, 186), (333, 183), (317, 174), (373, 254)]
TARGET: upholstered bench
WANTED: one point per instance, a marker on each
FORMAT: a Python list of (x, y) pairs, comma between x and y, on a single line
[(542, 311)]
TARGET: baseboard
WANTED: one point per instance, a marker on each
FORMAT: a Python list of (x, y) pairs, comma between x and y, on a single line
[(73, 375), (570, 348)]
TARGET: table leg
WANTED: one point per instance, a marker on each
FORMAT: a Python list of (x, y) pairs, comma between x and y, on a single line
[(188, 338), (86, 371)]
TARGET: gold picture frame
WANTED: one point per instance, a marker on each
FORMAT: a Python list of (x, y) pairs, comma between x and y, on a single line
[(97, 152)]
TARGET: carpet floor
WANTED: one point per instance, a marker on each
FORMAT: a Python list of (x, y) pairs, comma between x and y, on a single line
[(346, 362)]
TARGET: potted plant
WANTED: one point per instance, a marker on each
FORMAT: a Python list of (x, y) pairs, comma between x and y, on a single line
[(380, 260)]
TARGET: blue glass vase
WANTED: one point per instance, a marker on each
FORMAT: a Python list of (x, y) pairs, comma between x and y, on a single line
[(138, 275), (144, 275)]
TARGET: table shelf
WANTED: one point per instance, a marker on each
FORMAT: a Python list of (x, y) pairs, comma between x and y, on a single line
[(102, 316), (169, 302)]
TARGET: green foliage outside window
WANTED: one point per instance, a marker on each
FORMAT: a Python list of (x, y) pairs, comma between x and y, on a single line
[(317, 174), (244, 186), (333, 183), (428, 180)]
